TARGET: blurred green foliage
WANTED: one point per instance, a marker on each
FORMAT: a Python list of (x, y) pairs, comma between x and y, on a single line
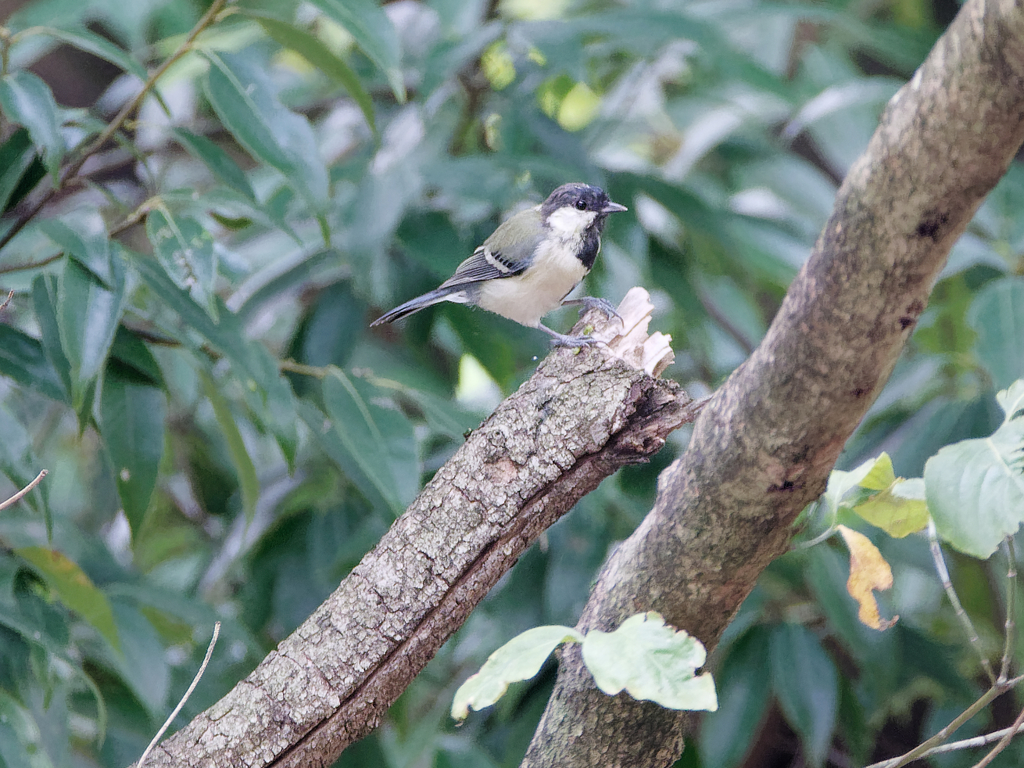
[(193, 308)]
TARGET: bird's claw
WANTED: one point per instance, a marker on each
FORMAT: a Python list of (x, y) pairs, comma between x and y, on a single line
[(602, 305), (572, 342)]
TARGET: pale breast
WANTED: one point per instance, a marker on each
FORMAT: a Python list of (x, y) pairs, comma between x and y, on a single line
[(528, 297)]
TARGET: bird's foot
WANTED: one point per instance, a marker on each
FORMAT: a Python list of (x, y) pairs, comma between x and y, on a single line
[(602, 305), (571, 342)]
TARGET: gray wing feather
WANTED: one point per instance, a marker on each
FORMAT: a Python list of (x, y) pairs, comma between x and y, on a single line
[(504, 254)]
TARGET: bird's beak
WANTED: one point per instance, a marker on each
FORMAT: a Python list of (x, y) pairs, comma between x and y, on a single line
[(611, 207)]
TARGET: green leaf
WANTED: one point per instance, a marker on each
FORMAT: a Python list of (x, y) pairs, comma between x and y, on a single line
[(132, 416), (321, 57), (997, 316), (44, 302), (133, 354), (975, 488), (244, 98), (22, 744), (88, 316), (90, 42), (373, 444), (519, 659), (266, 390), (744, 691), (216, 159), (141, 658), (651, 661), (247, 478), (185, 250), (19, 463), (373, 32), (899, 510), (22, 358), (17, 155), (807, 687), (84, 237), (73, 588), (841, 485), (25, 99)]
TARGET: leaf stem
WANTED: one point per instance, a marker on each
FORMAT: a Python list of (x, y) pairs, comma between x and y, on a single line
[(958, 609)]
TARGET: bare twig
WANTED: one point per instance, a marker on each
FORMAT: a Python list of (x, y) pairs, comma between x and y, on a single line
[(1003, 742), (961, 614), (926, 747), (177, 709), (20, 494), (7, 301), (1011, 607), (114, 126)]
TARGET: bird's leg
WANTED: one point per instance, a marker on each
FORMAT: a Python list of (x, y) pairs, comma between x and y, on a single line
[(603, 305), (561, 340)]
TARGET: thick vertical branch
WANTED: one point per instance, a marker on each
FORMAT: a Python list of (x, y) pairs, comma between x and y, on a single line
[(765, 444)]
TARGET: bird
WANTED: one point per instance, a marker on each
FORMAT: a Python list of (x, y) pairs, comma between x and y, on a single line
[(531, 262)]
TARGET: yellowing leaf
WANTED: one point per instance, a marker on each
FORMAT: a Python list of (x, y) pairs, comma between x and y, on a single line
[(881, 474), (898, 510), (497, 65), (868, 571), (73, 588)]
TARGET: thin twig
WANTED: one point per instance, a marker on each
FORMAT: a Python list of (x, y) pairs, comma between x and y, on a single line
[(1011, 608), (972, 743), (20, 494), (1003, 743), (114, 126), (177, 709), (7, 301), (927, 746), (958, 609)]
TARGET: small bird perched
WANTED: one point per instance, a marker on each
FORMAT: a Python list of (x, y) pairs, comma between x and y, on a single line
[(531, 263)]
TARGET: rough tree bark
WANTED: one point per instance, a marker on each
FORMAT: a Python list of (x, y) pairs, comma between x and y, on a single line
[(763, 447), (576, 421)]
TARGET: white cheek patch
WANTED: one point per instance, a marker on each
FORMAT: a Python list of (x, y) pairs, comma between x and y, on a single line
[(569, 224)]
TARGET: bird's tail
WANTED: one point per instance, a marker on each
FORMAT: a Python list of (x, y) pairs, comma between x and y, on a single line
[(420, 302)]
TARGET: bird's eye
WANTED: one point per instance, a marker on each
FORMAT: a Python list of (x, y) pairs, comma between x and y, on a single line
[(581, 205)]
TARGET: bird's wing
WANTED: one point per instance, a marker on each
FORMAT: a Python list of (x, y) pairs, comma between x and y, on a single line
[(492, 261)]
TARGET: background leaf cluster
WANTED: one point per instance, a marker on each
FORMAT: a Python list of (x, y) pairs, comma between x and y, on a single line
[(188, 349)]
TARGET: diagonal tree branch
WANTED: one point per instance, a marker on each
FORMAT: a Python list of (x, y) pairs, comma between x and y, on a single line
[(764, 446), (576, 421)]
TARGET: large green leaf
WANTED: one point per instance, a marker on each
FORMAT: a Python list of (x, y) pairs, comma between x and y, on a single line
[(44, 302), (806, 684), (132, 415), (373, 444), (245, 99), (323, 58), (248, 481), (17, 155), (997, 316), (22, 358), (216, 159), (743, 695), (267, 391), (975, 488), (26, 100), (88, 316), (373, 32), (73, 588), (185, 250), (84, 237)]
